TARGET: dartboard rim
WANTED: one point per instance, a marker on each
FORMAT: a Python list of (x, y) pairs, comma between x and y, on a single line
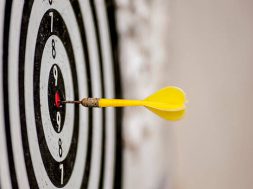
[(114, 41)]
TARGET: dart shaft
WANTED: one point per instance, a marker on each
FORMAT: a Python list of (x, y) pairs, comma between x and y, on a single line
[(124, 102), (119, 102), (101, 102)]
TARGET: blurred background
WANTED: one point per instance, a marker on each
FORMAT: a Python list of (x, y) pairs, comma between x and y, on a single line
[(206, 48)]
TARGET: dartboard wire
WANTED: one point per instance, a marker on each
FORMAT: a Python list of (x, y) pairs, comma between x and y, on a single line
[(7, 17), (94, 14)]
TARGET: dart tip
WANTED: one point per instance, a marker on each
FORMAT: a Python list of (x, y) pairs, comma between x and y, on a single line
[(70, 101)]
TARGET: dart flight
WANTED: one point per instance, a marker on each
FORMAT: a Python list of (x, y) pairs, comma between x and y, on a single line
[(168, 103)]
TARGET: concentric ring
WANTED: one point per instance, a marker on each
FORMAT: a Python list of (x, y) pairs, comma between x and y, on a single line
[(94, 163), (76, 163), (50, 163)]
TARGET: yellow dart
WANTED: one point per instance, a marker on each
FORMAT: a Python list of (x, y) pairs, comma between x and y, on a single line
[(168, 103)]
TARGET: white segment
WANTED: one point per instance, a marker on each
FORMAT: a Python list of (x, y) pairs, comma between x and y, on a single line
[(47, 62), (5, 181)]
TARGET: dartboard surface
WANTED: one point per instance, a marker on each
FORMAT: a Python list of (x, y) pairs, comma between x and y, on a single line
[(53, 50)]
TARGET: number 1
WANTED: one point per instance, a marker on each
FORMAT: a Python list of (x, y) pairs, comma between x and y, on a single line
[(62, 172), (51, 14)]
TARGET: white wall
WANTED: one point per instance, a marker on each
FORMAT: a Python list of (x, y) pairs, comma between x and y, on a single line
[(212, 57)]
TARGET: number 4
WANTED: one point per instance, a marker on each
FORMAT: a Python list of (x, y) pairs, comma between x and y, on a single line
[(62, 172)]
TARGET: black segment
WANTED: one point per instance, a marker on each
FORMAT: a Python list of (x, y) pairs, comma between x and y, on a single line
[(7, 16), (118, 171)]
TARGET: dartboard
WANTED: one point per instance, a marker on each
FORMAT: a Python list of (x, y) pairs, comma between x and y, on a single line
[(53, 50)]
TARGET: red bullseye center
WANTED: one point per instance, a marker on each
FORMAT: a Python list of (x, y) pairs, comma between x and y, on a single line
[(57, 99)]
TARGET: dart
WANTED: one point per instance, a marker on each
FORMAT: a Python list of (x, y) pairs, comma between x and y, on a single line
[(168, 103)]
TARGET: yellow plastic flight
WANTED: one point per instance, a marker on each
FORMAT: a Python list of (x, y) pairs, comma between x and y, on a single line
[(168, 103)]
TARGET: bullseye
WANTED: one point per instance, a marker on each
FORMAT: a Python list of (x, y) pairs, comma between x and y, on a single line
[(57, 99)]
